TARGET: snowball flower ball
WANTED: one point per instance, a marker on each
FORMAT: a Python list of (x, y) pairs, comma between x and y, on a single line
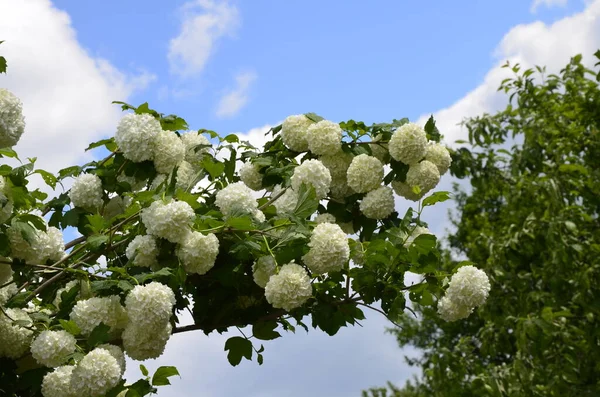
[(142, 343), (58, 382), (324, 138), (89, 313), (263, 269), (169, 151), (236, 197), (193, 151), (425, 175), (95, 374), (51, 348), (250, 175), (469, 286), (46, 245), (135, 136), (198, 252), (404, 190), (150, 305), (294, 132), (312, 173), (86, 191), (439, 155), (378, 203), (12, 122), (290, 288), (408, 144), (117, 353), (324, 218), (142, 250), (170, 221), (337, 165), (286, 202), (14, 337), (451, 311), (365, 173), (329, 249)]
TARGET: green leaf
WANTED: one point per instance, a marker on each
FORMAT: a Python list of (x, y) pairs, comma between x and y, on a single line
[(214, 168), (265, 330), (162, 374), (437, 197), (238, 347), (307, 202), (314, 117), (231, 138), (69, 171), (95, 241), (99, 335), (102, 142), (3, 65), (27, 231), (49, 178), (144, 370), (8, 152), (70, 327), (140, 388), (164, 272), (244, 223)]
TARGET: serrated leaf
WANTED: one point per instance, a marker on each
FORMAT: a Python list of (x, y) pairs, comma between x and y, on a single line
[(214, 168), (244, 223), (95, 241), (70, 327), (162, 374), (238, 347), (307, 202), (265, 330), (437, 197)]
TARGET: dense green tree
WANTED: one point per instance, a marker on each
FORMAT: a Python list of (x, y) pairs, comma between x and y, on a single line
[(530, 220)]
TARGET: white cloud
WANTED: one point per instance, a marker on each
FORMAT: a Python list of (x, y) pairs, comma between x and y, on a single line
[(547, 3), (233, 101), (530, 44), (205, 22), (66, 92)]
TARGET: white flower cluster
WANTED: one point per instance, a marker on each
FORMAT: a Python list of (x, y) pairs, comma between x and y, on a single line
[(329, 249), (290, 288), (337, 165), (136, 185), (263, 269), (236, 197), (313, 173), (15, 338), (408, 144), (170, 221), (143, 251), (194, 153), (87, 192), (58, 382), (378, 203), (7, 292), (286, 203), (468, 288), (294, 132), (365, 173), (117, 353), (114, 207), (417, 231), (324, 138), (6, 202), (51, 348), (149, 309), (89, 313), (403, 190), (324, 218), (186, 176), (250, 175), (438, 154), (424, 174), (12, 122), (48, 245), (169, 151), (198, 252), (96, 373), (135, 136)]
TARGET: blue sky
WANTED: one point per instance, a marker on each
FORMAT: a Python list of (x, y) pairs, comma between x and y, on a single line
[(68, 59)]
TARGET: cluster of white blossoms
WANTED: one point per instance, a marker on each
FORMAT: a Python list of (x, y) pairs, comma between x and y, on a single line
[(408, 144), (196, 146), (198, 252), (263, 269), (337, 165), (403, 190), (89, 313), (87, 192), (169, 151), (6, 202), (290, 288), (51, 348), (12, 122), (294, 132), (250, 175), (58, 382), (135, 136), (286, 202), (47, 245), (142, 251), (417, 231), (324, 138), (236, 197), (15, 337), (149, 309), (365, 173), (329, 250), (324, 218), (312, 173), (425, 175), (439, 155), (96, 373), (468, 288), (378, 203), (171, 221)]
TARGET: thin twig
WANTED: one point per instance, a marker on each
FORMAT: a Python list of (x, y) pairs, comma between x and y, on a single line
[(380, 311), (74, 242), (268, 203)]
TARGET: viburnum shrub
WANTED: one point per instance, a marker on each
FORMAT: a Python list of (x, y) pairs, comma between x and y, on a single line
[(173, 219)]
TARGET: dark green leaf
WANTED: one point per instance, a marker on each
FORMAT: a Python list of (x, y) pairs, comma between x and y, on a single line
[(162, 374), (238, 347)]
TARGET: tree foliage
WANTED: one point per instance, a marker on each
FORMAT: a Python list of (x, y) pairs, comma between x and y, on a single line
[(530, 220)]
